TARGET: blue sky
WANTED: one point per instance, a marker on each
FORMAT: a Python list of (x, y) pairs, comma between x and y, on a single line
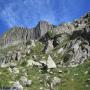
[(27, 13)]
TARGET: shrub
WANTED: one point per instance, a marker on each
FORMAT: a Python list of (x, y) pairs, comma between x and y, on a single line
[(50, 34)]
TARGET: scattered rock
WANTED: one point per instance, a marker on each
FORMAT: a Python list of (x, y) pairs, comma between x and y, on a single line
[(51, 72), (10, 70), (28, 51), (60, 71), (19, 55), (33, 43), (15, 70), (55, 81), (25, 81), (76, 74), (86, 72), (43, 61), (41, 88), (31, 63), (60, 50), (3, 65), (12, 65), (49, 46), (17, 86), (87, 85), (29, 46), (72, 79), (43, 57)]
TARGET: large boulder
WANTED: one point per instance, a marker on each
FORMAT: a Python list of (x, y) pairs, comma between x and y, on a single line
[(50, 63)]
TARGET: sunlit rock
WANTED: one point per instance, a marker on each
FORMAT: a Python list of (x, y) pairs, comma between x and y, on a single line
[(50, 62)]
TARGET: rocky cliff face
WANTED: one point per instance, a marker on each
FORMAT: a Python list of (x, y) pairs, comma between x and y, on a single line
[(19, 34)]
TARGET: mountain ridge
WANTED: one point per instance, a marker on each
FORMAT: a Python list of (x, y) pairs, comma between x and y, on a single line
[(56, 59), (24, 34), (17, 34)]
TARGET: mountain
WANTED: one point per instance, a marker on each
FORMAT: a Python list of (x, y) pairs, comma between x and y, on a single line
[(20, 34), (47, 57)]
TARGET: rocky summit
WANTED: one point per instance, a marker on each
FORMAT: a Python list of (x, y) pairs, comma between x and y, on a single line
[(46, 57), (19, 34)]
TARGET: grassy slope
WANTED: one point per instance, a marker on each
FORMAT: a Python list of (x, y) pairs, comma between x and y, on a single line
[(69, 80)]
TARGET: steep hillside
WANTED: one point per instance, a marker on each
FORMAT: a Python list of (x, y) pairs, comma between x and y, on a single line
[(47, 57)]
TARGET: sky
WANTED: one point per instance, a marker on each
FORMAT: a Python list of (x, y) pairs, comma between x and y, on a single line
[(27, 13)]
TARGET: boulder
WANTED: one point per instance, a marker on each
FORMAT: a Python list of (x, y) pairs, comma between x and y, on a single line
[(32, 62), (60, 71), (15, 70), (25, 81), (86, 72), (60, 50), (33, 43), (18, 55), (28, 50), (3, 65), (50, 63), (29, 46), (43, 61), (49, 46), (76, 74), (41, 88), (55, 81), (12, 65), (17, 86), (10, 70), (76, 47)]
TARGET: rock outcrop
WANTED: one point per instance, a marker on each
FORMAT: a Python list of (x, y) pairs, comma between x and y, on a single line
[(20, 34)]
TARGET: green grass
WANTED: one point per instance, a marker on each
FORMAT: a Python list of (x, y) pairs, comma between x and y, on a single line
[(72, 82), (5, 77), (68, 80)]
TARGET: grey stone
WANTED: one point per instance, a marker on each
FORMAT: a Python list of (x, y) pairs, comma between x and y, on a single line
[(17, 85), (17, 35), (50, 63), (15, 70), (55, 81), (25, 81)]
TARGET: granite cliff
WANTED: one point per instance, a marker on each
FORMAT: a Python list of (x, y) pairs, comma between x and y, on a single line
[(20, 34)]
